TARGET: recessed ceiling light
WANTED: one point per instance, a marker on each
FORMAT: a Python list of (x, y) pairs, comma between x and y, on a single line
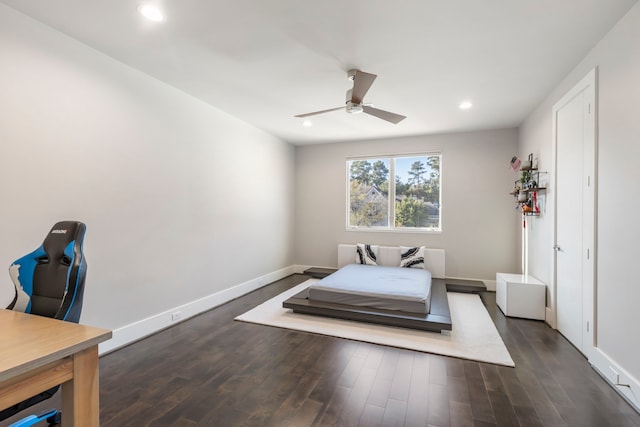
[(307, 123), (465, 105), (151, 12)]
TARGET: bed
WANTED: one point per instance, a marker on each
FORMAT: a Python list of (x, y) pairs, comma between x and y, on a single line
[(383, 293)]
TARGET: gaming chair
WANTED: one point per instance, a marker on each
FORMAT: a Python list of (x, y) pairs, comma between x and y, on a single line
[(50, 282)]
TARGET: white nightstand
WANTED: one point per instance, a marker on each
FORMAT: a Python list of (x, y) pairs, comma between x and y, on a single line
[(521, 296)]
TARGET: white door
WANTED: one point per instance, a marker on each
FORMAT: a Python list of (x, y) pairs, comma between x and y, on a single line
[(569, 224), (574, 228)]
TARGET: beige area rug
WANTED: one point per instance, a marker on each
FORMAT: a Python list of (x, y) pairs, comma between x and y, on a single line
[(473, 337)]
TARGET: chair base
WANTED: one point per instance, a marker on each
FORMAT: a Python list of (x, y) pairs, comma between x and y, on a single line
[(52, 416)]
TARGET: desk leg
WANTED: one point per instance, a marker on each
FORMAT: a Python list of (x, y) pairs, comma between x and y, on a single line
[(80, 396)]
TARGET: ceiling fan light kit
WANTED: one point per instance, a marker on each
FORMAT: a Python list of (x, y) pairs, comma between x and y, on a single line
[(355, 96)]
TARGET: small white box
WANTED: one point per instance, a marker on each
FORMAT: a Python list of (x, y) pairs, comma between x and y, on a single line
[(521, 296)]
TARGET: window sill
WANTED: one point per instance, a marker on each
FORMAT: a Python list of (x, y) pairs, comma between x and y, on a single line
[(395, 230)]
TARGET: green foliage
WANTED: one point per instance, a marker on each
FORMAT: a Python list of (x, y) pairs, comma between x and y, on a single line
[(411, 212), (366, 173), (401, 187), (417, 186), (380, 174), (367, 208), (434, 163), (360, 171), (416, 172)]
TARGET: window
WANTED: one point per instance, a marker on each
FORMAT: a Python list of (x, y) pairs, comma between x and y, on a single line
[(415, 193)]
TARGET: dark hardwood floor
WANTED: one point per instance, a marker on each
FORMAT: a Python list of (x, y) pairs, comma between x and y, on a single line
[(213, 371)]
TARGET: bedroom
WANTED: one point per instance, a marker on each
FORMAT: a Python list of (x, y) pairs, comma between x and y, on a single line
[(143, 191)]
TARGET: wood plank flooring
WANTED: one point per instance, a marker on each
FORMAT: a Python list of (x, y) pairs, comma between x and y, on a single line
[(213, 371)]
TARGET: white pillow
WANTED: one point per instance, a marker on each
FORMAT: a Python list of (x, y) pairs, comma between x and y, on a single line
[(366, 254), (412, 257)]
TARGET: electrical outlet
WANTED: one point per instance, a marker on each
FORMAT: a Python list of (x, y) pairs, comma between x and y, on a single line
[(176, 315)]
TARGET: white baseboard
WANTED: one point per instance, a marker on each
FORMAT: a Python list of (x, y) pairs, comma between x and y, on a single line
[(549, 317), (623, 382), (299, 269), (145, 327)]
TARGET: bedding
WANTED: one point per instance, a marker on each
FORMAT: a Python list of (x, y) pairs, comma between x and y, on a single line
[(389, 302), (379, 287), (434, 259)]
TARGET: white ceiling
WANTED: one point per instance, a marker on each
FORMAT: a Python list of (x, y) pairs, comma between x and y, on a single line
[(266, 60)]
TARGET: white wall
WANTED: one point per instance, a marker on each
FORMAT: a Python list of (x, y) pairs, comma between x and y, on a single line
[(617, 57), (181, 200), (478, 221)]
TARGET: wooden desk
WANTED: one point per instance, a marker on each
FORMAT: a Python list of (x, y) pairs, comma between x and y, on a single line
[(37, 353)]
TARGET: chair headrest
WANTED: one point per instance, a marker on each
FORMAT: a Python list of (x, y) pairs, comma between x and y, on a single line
[(61, 234)]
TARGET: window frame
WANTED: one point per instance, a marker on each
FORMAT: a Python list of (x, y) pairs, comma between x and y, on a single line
[(391, 222)]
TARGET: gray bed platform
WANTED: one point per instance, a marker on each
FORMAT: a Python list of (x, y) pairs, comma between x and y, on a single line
[(437, 320)]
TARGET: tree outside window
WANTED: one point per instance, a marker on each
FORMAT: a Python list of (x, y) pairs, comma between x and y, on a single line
[(415, 192), (369, 193)]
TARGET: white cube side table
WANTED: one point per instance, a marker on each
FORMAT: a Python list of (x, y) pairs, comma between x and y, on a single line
[(521, 296)]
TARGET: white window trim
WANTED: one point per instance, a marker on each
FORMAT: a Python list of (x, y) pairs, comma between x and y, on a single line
[(390, 228)]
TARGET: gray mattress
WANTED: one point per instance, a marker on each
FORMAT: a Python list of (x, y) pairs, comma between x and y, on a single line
[(376, 286)]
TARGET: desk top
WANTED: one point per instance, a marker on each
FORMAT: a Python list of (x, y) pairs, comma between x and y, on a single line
[(28, 341)]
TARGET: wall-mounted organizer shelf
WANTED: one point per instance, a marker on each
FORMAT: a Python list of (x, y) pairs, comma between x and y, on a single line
[(526, 189)]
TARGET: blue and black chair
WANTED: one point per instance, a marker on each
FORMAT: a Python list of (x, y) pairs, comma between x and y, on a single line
[(49, 282)]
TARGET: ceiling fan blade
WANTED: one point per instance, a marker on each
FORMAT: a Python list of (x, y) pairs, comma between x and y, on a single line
[(319, 112), (361, 83), (384, 115)]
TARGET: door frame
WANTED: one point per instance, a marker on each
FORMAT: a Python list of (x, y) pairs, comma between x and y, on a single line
[(588, 84)]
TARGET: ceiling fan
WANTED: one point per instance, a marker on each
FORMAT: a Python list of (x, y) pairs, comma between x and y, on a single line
[(361, 83)]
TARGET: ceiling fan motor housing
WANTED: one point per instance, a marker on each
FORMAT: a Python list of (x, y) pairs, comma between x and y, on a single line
[(353, 108), (350, 106), (354, 102)]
